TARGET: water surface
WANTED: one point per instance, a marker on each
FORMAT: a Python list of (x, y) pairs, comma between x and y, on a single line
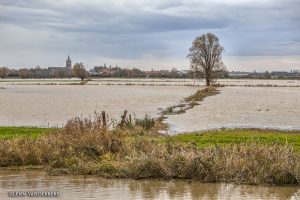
[(53, 105), (234, 107), (242, 107), (156, 82), (92, 187)]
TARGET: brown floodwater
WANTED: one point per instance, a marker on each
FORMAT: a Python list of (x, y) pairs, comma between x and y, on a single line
[(92, 187), (242, 107), (235, 107), (53, 105), (156, 82), (181, 82)]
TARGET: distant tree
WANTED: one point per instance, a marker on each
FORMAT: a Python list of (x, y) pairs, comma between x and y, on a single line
[(3, 72), (206, 56), (24, 73), (174, 73), (79, 71), (267, 74)]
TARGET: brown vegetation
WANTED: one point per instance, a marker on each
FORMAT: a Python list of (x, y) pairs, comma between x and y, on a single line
[(135, 149), (191, 101), (80, 71), (201, 94), (3, 72)]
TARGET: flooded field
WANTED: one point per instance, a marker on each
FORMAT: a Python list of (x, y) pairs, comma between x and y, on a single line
[(243, 107), (91, 187), (193, 82), (235, 106), (156, 82), (47, 105)]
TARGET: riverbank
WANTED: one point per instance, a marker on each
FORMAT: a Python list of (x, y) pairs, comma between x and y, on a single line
[(221, 137), (136, 150)]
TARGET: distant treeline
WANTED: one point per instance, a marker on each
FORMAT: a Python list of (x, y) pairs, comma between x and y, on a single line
[(99, 71), (37, 72), (103, 71), (118, 72)]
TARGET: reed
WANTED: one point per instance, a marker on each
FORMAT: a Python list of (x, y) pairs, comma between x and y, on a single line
[(99, 146)]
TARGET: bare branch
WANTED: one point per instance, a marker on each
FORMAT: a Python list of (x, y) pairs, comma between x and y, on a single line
[(206, 55)]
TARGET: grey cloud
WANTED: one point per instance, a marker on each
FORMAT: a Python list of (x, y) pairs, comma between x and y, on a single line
[(132, 29)]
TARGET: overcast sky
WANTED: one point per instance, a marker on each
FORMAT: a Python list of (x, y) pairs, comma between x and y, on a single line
[(256, 34)]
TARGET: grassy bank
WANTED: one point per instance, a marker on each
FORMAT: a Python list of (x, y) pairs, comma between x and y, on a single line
[(225, 137), (135, 149), (10, 132)]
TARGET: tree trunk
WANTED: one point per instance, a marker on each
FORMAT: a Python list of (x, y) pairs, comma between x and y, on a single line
[(207, 81)]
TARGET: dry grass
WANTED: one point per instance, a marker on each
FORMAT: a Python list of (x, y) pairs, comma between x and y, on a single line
[(86, 146), (201, 94), (191, 101)]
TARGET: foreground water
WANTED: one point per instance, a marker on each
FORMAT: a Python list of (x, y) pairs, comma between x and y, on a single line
[(92, 187)]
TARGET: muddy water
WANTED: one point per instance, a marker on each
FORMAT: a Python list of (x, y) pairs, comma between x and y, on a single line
[(53, 105), (155, 82), (91, 187), (178, 82), (242, 107)]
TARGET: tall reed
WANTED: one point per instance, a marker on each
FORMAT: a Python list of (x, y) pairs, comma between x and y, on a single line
[(94, 146)]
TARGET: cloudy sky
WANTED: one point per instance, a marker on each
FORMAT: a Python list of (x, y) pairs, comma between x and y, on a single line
[(256, 34)]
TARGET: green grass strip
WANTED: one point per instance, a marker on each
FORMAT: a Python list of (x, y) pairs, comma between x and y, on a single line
[(235, 136), (11, 132)]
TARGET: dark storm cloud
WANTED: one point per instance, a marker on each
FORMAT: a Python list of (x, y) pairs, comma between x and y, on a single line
[(133, 29)]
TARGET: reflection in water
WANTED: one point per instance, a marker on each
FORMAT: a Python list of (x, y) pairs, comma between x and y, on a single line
[(92, 187)]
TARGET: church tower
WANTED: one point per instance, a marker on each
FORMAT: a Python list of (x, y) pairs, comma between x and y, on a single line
[(68, 63)]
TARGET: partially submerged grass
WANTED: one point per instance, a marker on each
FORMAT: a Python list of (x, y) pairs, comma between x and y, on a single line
[(191, 101), (201, 94), (86, 146)]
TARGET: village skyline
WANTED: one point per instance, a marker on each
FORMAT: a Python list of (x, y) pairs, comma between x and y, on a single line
[(284, 68)]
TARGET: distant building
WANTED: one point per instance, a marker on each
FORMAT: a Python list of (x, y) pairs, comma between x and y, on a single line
[(61, 72), (152, 73), (238, 74), (68, 64), (283, 74)]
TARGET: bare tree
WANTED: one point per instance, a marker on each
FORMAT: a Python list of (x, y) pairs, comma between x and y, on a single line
[(3, 72), (24, 73), (206, 56), (79, 71)]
